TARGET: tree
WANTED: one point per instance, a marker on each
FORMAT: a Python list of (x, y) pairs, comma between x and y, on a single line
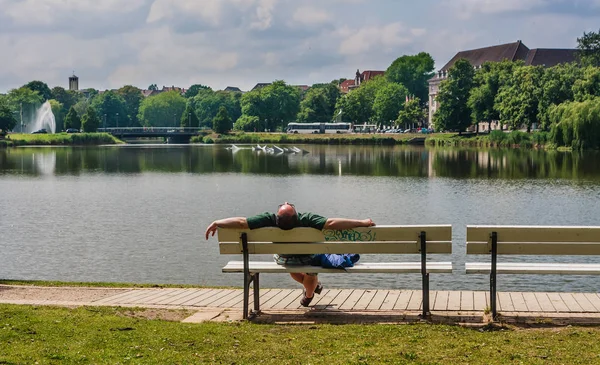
[(153, 87), (59, 113), (357, 105), (487, 82), (411, 113), (67, 98), (454, 112), (518, 100), (207, 103), (247, 123), (194, 89), (589, 49), (41, 88), (72, 119), (112, 105), (319, 103), (389, 100), (162, 110), (274, 104), (90, 121), (222, 122), (556, 87), (132, 97), (413, 72), (7, 118), (588, 86), (24, 102), (189, 117)]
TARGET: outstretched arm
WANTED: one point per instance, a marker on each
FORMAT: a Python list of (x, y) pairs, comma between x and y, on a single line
[(233, 222), (344, 223)]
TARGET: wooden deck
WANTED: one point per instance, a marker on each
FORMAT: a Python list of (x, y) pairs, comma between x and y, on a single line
[(333, 305), (361, 300)]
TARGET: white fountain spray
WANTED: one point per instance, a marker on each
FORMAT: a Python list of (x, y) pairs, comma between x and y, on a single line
[(44, 118)]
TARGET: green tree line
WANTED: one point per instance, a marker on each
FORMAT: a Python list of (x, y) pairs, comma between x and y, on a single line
[(562, 100)]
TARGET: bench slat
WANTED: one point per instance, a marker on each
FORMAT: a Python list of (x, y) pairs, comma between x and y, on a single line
[(533, 268), (534, 233), (376, 233), (535, 248), (379, 267), (391, 247)]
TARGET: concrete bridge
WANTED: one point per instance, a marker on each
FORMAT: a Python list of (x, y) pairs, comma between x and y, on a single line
[(173, 134)]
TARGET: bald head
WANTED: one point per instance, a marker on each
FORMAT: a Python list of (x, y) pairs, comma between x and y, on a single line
[(287, 217)]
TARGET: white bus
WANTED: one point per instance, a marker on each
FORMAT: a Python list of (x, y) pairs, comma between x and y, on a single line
[(319, 128)]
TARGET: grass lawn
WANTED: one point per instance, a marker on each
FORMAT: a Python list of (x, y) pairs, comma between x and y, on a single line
[(93, 335)]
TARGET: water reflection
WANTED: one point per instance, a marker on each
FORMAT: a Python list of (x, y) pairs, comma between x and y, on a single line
[(321, 160)]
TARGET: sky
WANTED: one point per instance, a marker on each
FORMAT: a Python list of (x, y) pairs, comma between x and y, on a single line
[(220, 43)]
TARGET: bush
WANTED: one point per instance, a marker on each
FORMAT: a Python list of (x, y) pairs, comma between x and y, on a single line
[(208, 140), (497, 136), (517, 138)]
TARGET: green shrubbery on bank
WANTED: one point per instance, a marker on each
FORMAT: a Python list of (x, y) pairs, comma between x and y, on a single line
[(59, 139), (278, 138)]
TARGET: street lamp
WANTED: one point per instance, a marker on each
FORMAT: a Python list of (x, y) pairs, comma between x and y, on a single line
[(117, 120), (104, 123), (189, 120)]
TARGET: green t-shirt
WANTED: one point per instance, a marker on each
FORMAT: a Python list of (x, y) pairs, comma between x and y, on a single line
[(267, 219)]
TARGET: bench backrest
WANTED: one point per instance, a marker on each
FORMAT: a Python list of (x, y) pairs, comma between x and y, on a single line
[(534, 240), (378, 239)]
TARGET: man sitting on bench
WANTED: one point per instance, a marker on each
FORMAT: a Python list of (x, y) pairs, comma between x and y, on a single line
[(287, 218)]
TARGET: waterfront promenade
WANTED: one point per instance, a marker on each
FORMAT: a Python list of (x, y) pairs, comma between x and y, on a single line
[(333, 305)]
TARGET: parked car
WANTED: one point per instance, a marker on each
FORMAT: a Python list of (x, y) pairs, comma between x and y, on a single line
[(40, 131), (72, 130)]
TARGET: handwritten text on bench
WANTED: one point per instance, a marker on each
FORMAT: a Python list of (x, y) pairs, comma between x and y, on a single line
[(348, 235)]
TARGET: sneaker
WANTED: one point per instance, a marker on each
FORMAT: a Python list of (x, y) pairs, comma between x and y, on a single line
[(305, 301)]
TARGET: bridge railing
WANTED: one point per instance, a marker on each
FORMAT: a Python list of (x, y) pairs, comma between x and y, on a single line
[(149, 129)]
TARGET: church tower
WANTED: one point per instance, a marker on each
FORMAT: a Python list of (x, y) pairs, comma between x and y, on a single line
[(74, 82)]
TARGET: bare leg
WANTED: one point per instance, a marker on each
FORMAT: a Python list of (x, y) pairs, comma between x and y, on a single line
[(310, 283), (298, 276)]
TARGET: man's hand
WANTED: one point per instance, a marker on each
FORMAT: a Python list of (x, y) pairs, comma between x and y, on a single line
[(211, 229), (369, 222)]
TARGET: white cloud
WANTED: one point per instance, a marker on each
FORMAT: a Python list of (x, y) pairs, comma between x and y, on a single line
[(264, 14), (310, 16), (45, 12), (369, 38), (465, 9)]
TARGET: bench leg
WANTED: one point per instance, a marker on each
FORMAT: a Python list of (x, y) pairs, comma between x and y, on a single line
[(494, 239), (256, 293), (426, 311), (247, 281)]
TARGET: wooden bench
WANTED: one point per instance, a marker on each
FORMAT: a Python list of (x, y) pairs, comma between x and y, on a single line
[(530, 240), (423, 240)]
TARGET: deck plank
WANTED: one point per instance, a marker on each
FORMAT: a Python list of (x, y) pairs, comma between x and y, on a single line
[(518, 301), (353, 299), (416, 300), (557, 302), (199, 295), (544, 302), (403, 300), (365, 299), (327, 297), (531, 302), (440, 302), (593, 299), (571, 302), (341, 298), (454, 300), (276, 299), (480, 301), (390, 300), (378, 299)]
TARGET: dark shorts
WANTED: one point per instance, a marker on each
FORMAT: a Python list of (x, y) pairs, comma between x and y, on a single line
[(295, 260)]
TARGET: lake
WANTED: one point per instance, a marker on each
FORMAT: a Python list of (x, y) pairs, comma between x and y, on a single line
[(137, 213)]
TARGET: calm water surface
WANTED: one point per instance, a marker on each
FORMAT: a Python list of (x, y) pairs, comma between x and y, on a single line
[(138, 213)]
